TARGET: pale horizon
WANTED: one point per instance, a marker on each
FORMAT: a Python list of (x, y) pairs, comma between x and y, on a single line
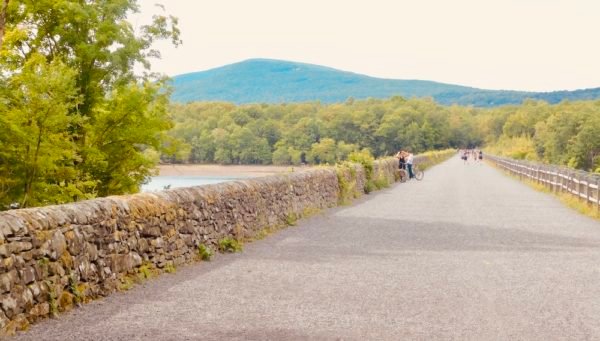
[(529, 45)]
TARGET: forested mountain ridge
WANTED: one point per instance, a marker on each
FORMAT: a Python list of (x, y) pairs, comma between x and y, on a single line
[(276, 81)]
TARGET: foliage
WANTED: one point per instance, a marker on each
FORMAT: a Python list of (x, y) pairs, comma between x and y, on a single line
[(291, 219), (381, 182), (74, 288), (204, 252), (566, 133), (170, 268), (365, 159), (75, 121), (434, 157), (145, 271), (347, 188), (229, 245)]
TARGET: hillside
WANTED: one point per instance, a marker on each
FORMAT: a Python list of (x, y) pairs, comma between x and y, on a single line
[(275, 81)]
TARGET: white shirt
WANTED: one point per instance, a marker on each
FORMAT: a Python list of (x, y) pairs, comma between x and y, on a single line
[(410, 159)]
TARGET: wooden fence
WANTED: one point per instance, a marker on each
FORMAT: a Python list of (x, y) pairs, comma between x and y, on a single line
[(583, 185)]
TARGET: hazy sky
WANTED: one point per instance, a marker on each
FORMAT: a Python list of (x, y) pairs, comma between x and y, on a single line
[(538, 45)]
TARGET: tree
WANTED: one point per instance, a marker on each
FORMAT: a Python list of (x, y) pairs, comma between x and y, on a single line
[(585, 146), (112, 116), (3, 13), (324, 151), (40, 153)]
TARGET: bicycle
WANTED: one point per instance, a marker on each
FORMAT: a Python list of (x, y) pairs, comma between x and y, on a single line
[(418, 174)]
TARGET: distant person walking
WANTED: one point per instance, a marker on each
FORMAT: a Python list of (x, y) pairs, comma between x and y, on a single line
[(480, 155), (465, 156)]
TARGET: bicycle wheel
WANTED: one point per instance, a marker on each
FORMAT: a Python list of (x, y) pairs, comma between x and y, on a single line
[(403, 175), (419, 174)]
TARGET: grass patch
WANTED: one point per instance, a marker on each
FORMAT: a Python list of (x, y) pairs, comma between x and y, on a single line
[(291, 219), (52, 299), (567, 199), (170, 268), (75, 289), (579, 206), (145, 271), (310, 211), (346, 188), (229, 245), (381, 182), (204, 253), (434, 157), (126, 283), (370, 186), (262, 234)]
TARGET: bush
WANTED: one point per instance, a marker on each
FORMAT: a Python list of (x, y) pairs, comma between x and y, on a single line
[(381, 182), (347, 189), (229, 245), (364, 158), (204, 253), (370, 186)]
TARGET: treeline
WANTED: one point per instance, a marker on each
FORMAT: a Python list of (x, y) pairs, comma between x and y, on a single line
[(567, 133), (315, 133), (75, 121)]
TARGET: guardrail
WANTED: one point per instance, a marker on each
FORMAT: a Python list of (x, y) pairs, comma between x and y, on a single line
[(583, 185)]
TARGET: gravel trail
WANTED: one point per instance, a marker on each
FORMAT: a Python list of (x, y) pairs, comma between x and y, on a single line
[(466, 254)]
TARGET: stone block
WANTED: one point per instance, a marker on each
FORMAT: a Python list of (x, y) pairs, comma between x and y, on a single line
[(75, 241), (27, 275), (9, 305), (18, 247), (4, 250), (40, 310), (7, 263), (8, 280)]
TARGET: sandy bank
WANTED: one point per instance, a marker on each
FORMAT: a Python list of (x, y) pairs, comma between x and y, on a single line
[(220, 170)]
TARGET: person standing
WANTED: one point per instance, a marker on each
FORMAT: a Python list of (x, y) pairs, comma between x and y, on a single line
[(401, 156), (410, 158)]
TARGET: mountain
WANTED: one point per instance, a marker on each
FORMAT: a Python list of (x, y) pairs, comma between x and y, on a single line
[(276, 81)]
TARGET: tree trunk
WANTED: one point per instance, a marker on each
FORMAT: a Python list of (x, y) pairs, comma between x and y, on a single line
[(3, 11)]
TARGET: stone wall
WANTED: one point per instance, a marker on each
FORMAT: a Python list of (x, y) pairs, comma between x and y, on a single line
[(53, 258)]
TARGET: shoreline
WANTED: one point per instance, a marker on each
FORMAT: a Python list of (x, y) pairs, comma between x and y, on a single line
[(224, 170)]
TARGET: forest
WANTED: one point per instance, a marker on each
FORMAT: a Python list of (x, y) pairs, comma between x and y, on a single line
[(76, 121), (567, 133)]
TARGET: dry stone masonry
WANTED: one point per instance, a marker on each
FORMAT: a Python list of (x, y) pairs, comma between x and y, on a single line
[(56, 257)]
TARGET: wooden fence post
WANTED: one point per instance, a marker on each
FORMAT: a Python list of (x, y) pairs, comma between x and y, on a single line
[(587, 189), (578, 186), (598, 194)]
